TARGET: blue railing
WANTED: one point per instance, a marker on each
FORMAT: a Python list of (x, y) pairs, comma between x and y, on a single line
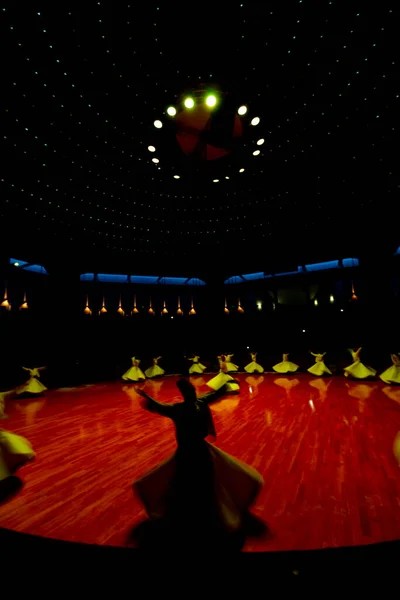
[(324, 266)]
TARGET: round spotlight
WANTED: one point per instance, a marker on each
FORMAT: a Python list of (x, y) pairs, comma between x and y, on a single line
[(261, 142), (158, 124), (189, 103), (256, 121), (16, 264), (177, 176), (152, 149), (155, 160), (171, 111), (242, 110), (215, 180), (257, 153), (227, 177), (242, 170), (211, 101)]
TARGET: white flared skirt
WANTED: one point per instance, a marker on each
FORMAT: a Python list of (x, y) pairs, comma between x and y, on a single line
[(134, 374), (223, 379), (154, 371), (392, 375), (319, 369), (32, 386), (254, 368), (286, 367), (359, 371), (236, 486), (15, 451), (197, 369)]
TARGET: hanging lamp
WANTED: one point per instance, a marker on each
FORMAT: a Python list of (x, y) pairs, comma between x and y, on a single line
[(192, 310), (24, 305), (87, 310), (5, 304), (353, 293), (103, 309), (135, 309), (226, 309), (179, 312), (120, 310), (151, 311)]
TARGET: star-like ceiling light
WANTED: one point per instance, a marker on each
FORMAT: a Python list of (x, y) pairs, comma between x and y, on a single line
[(177, 176), (260, 142), (155, 161), (242, 111), (211, 101), (242, 170), (257, 153), (152, 149), (171, 111), (158, 124), (256, 121)]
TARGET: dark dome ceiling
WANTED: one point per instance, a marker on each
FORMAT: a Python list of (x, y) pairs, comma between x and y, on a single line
[(84, 86)]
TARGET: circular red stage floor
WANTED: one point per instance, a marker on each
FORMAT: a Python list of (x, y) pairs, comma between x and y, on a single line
[(324, 448)]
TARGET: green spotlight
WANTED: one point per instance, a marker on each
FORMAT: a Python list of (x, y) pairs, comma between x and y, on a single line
[(189, 103), (211, 101)]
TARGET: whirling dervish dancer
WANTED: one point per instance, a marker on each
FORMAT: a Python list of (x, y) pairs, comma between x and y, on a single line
[(231, 368), (254, 367), (392, 375), (134, 374), (155, 370), (33, 387), (197, 368), (200, 489), (223, 379), (15, 451), (357, 370), (319, 369), (286, 366)]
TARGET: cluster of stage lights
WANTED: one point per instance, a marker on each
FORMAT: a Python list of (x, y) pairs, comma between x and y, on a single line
[(211, 102)]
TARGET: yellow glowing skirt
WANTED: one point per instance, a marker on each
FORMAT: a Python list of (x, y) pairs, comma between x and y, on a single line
[(359, 371), (392, 375), (254, 368), (197, 369), (134, 374), (223, 379), (286, 367), (319, 369), (32, 386), (15, 451), (231, 368), (154, 371)]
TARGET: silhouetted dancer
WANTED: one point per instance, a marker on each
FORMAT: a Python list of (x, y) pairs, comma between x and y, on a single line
[(201, 492)]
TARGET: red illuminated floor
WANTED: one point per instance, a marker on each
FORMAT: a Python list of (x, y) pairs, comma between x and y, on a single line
[(331, 478)]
